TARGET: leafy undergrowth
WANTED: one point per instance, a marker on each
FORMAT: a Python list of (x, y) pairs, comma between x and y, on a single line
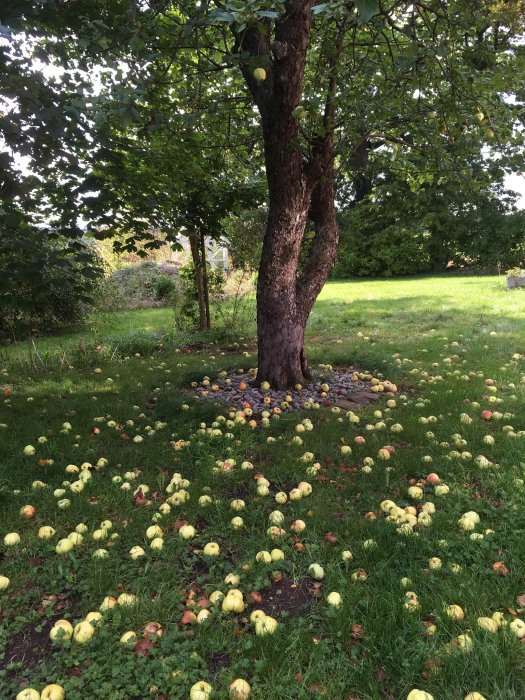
[(140, 477)]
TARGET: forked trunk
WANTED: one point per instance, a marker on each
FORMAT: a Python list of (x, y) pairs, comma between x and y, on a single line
[(285, 295), (280, 324), (300, 188)]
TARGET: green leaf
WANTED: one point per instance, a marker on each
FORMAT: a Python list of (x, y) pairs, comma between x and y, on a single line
[(271, 14), (221, 16), (367, 9)]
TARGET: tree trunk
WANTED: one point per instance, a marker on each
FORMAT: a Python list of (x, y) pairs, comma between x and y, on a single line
[(280, 324), (285, 297), (299, 187), (199, 282), (205, 285)]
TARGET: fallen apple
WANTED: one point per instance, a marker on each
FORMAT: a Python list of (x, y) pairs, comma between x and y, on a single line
[(64, 546), (239, 689), (212, 549), (265, 625), (53, 692), (128, 638), (316, 571), (200, 691), (419, 695), (61, 631), (334, 599), (83, 632), (12, 539), (28, 694)]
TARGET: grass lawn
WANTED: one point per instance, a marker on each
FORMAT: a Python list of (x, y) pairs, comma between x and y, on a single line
[(115, 398)]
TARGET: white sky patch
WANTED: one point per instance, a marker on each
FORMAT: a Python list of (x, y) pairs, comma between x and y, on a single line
[(516, 182)]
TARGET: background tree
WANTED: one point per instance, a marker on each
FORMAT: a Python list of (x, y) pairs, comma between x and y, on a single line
[(407, 225)]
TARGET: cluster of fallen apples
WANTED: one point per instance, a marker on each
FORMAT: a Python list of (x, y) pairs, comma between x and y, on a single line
[(409, 521)]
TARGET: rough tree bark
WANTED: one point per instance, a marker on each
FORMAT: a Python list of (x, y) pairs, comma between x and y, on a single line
[(300, 189)]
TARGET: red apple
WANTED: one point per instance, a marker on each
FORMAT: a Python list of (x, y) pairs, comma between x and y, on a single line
[(433, 478), (486, 415), (28, 512)]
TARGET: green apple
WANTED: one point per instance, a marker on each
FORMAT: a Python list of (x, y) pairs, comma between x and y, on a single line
[(259, 74)]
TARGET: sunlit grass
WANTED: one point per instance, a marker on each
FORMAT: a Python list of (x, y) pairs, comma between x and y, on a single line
[(440, 339)]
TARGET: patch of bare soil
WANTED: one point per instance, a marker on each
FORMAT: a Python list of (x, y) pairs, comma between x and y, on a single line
[(29, 646), (288, 596), (217, 661)]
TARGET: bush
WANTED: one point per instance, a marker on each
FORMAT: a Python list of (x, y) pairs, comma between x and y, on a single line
[(139, 286), (233, 305), (165, 285), (47, 282)]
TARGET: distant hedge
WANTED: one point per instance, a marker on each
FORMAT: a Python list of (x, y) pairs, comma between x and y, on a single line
[(386, 238)]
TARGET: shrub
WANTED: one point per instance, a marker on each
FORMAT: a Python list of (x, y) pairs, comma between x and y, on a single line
[(47, 282), (139, 286), (234, 304), (165, 285)]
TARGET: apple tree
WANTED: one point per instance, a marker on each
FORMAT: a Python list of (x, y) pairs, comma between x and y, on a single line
[(334, 84), (328, 78)]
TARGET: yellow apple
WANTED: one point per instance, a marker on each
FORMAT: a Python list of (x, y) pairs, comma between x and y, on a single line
[(83, 632), (53, 692), (265, 625), (12, 539), (128, 638), (28, 694), (211, 549), (61, 631), (200, 691), (263, 557), (127, 599), (316, 571), (334, 599), (239, 690), (232, 603), (108, 603), (46, 532), (187, 532), (64, 546)]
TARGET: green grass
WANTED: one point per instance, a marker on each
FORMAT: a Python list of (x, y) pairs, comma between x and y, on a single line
[(104, 326), (439, 339)]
